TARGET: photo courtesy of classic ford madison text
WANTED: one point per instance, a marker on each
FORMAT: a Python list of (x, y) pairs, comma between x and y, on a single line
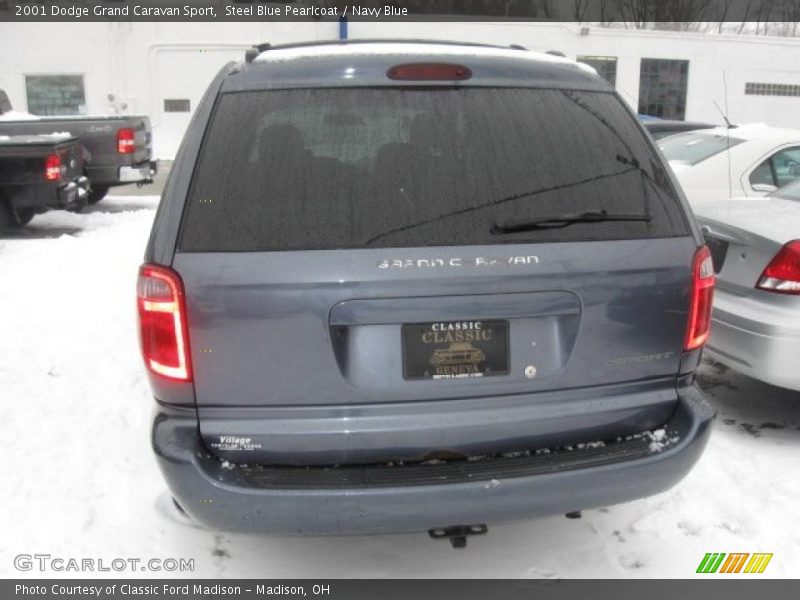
[(467, 292)]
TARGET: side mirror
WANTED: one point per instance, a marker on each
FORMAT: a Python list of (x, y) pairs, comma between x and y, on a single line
[(763, 187)]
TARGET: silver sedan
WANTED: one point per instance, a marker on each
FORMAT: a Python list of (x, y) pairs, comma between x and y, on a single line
[(755, 246)]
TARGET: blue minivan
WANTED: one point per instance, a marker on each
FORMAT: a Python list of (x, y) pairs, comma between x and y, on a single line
[(419, 286)]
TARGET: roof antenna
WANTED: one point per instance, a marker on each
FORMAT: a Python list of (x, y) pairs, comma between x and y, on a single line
[(727, 130), (724, 116)]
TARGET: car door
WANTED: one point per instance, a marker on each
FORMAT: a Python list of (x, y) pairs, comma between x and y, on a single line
[(777, 170)]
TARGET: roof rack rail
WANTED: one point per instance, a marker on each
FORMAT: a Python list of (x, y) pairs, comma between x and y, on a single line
[(252, 53)]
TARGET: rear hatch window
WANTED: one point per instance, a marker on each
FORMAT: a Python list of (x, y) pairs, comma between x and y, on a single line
[(319, 169)]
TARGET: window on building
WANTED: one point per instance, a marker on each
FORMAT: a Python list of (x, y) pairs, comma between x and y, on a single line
[(606, 66), (177, 105), (771, 89), (55, 94), (662, 88)]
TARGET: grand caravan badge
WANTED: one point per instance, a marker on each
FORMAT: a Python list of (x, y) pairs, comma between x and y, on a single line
[(457, 262), (457, 349)]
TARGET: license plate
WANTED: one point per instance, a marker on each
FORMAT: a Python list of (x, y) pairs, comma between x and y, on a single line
[(455, 349)]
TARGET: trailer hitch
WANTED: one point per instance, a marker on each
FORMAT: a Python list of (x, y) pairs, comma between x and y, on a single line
[(457, 534)]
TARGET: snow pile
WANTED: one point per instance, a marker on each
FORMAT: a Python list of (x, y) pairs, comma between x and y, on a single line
[(57, 135), (753, 127), (16, 115), (660, 441)]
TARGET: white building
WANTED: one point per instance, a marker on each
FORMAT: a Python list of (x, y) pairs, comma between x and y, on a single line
[(162, 69)]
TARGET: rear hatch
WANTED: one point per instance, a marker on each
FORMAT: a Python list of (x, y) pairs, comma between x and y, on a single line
[(346, 248)]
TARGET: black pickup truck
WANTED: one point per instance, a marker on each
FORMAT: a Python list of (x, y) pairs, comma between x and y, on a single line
[(39, 172), (119, 147)]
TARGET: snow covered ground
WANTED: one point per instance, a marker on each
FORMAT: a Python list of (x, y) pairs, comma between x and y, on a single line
[(79, 480)]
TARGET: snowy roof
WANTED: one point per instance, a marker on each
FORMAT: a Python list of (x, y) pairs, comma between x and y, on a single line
[(410, 48), (755, 131), (365, 63)]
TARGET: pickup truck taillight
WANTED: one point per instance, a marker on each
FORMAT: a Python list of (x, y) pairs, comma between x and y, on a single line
[(52, 167), (702, 294), (782, 274), (126, 140), (162, 322)]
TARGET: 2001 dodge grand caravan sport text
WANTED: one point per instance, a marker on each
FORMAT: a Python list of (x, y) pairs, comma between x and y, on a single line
[(409, 286)]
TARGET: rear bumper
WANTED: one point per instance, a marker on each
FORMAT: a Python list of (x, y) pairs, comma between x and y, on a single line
[(373, 499), (761, 340), (142, 172), (69, 195), (73, 195), (112, 175)]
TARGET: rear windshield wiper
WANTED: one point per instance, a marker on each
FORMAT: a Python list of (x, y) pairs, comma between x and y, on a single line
[(559, 221)]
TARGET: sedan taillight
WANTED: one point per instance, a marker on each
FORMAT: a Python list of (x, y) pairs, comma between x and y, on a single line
[(782, 274)]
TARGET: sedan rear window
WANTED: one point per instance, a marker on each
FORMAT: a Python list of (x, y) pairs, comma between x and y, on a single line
[(692, 148), (401, 167)]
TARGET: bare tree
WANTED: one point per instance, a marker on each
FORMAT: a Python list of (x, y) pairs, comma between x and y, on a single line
[(762, 17), (789, 16), (673, 15), (581, 6)]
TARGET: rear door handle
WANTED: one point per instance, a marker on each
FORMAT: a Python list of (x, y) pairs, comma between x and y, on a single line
[(386, 311)]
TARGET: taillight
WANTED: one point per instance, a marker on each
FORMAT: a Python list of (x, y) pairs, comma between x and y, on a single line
[(702, 294), (782, 274), (162, 322), (52, 167), (429, 72), (126, 140)]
